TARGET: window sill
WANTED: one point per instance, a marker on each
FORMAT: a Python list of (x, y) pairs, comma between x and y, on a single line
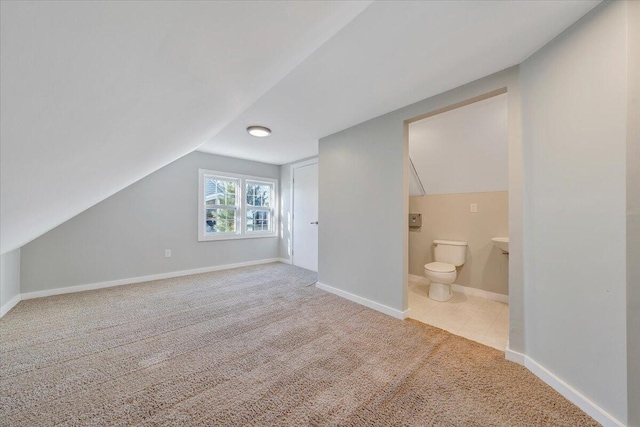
[(213, 237)]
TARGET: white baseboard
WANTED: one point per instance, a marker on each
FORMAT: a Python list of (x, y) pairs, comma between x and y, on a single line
[(140, 279), (513, 356), (366, 302), (8, 306), (573, 395), (466, 290), (419, 279)]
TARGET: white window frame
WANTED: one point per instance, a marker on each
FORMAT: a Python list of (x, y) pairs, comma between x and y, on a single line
[(241, 229), (271, 209)]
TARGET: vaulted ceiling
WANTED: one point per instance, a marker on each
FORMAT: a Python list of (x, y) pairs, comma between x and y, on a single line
[(96, 95), (391, 55)]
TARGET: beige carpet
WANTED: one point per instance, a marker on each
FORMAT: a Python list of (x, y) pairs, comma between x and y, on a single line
[(255, 346)]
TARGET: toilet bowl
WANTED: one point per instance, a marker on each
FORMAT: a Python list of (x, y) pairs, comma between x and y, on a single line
[(449, 254)]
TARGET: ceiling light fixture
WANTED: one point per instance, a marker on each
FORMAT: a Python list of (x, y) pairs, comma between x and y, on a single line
[(259, 131)]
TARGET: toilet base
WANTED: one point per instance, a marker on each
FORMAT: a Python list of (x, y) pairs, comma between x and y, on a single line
[(440, 292)]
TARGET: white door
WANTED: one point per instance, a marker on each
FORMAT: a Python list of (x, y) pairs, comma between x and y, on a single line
[(305, 216)]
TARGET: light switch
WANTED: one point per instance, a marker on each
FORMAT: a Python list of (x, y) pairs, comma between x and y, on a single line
[(167, 253), (473, 208)]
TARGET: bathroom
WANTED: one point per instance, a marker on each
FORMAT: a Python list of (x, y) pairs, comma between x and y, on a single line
[(459, 221)]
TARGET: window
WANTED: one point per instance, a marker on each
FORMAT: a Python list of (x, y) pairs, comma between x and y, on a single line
[(221, 204), (259, 209), (232, 206)]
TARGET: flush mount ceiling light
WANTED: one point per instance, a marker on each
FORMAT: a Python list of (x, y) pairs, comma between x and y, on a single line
[(259, 131)]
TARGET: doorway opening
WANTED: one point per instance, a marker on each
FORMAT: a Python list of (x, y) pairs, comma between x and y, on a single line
[(304, 208), (458, 258)]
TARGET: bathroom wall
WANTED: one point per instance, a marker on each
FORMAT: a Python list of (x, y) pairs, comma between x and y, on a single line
[(461, 158), (447, 216)]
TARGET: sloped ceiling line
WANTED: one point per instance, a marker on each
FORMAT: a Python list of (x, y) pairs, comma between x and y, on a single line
[(97, 95)]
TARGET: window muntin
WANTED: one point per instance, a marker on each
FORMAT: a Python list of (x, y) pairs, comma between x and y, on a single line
[(235, 206)]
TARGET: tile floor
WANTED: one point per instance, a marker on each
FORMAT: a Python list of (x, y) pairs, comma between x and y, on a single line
[(475, 318)]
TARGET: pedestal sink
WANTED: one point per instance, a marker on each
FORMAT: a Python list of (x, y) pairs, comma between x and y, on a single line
[(501, 243)]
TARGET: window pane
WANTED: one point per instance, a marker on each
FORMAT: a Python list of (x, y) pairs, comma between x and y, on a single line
[(219, 191), (259, 194), (220, 221), (258, 220)]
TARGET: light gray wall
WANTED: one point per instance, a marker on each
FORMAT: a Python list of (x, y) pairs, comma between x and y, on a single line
[(361, 211), (574, 95), (363, 241), (9, 276), (633, 215), (125, 235)]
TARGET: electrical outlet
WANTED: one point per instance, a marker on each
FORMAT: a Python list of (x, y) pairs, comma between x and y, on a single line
[(473, 208), (167, 253)]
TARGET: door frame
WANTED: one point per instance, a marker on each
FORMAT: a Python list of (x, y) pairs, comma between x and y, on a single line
[(518, 240), (291, 198)]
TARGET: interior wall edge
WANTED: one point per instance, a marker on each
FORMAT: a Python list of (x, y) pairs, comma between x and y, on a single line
[(574, 311), (398, 314), (573, 395), (633, 215), (9, 280)]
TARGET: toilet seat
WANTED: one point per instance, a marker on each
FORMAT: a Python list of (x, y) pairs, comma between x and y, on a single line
[(440, 267)]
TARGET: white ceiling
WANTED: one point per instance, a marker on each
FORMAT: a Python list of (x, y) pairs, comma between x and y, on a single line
[(462, 150), (391, 55), (96, 95)]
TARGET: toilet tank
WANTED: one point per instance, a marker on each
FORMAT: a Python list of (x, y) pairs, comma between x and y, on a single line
[(450, 251)]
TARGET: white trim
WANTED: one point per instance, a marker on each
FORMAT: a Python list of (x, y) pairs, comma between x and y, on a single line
[(494, 296), (571, 394), (419, 279), (363, 301), (140, 279), (8, 306), (291, 201), (241, 207), (513, 356)]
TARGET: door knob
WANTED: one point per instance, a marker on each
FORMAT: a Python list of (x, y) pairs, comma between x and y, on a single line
[(315, 222)]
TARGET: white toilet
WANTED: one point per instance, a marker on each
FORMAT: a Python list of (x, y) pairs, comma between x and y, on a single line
[(442, 273)]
